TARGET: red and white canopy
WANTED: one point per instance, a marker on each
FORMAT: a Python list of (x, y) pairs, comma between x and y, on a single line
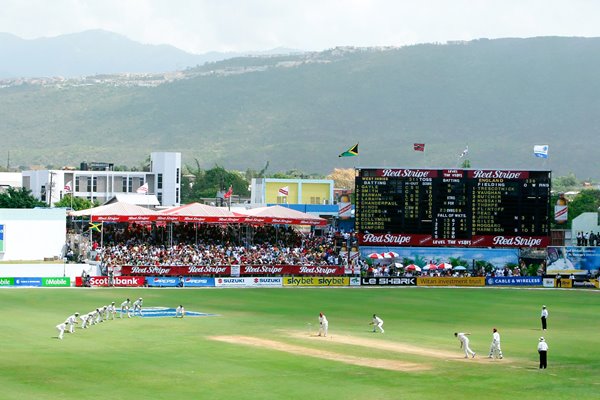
[(196, 212), (118, 212), (283, 216), (202, 213)]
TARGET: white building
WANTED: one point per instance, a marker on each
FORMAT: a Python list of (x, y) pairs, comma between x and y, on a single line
[(32, 234), (585, 222), (10, 179), (291, 191), (98, 181)]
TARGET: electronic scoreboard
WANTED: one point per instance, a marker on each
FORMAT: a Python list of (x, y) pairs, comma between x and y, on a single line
[(452, 207)]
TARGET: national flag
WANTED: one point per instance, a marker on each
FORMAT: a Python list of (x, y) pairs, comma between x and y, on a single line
[(229, 193), (464, 152), (540, 150), (284, 191), (143, 189), (353, 151), (69, 186), (419, 146), (96, 227)]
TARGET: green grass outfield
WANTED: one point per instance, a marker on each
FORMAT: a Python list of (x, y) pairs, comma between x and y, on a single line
[(168, 358)]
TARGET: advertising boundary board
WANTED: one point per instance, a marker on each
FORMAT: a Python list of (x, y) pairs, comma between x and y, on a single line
[(548, 282), (33, 282), (162, 281), (256, 281), (450, 281), (2, 238), (198, 281), (389, 281), (316, 281), (584, 283), (4, 282), (514, 281), (118, 281), (63, 281)]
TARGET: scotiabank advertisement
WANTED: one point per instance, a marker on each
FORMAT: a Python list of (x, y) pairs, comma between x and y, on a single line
[(250, 270), (117, 281)]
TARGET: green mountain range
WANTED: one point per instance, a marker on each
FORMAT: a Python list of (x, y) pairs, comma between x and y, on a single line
[(499, 97)]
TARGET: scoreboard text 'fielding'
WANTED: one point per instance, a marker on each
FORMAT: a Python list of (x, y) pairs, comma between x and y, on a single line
[(452, 207)]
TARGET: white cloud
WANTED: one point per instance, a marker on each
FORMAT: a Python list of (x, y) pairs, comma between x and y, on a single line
[(238, 25)]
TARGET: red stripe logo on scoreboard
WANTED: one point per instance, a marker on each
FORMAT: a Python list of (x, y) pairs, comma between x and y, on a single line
[(498, 174), (407, 173)]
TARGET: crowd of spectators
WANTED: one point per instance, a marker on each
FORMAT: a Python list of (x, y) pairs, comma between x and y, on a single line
[(211, 245), (588, 238), (391, 270)]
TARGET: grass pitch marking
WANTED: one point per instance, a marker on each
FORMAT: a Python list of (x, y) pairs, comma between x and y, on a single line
[(392, 365), (165, 312)]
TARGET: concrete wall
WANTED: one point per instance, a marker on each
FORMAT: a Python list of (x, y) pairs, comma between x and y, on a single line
[(47, 270)]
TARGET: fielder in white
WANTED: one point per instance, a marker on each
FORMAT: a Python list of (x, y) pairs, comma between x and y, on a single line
[(112, 311), (125, 308), (61, 330), (71, 321), (377, 323), (495, 350), (84, 320), (137, 305), (91, 318), (464, 343), (323, 325), (179, 311), (98, 315)]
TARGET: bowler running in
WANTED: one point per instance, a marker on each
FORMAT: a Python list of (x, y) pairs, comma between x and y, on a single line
[(464, 343), (323, 325)]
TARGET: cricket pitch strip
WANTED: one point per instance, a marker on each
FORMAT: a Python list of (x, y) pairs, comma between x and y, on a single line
[(396, 347), (392, 365)]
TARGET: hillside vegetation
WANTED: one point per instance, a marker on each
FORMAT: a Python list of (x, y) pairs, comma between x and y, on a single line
[(499, 97)]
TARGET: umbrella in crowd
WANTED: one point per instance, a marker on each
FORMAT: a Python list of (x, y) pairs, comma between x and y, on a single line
[(460, 268), (390, 254), (444, 266), (375, 256), (430, 267), (412, 267)]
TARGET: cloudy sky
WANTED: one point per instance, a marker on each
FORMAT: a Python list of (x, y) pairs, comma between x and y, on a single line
[(199, 26)]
